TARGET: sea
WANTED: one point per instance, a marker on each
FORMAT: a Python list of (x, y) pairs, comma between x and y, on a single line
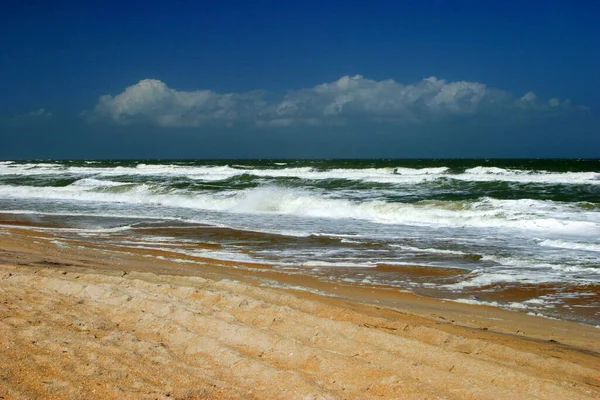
[(521, 234)]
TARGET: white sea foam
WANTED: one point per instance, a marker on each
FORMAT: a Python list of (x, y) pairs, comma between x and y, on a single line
[(400, 175), (429, 250), (531, 304), (518, 271), (479, 174), (224, 256), (562, 244), (511, 305), (92, 183), (380, 175), (490, 278), (534, 314), (507, 274), (552, 271), (337, 264), (276, 285), (115, 229), (486, 213), (349, 241), (540, 302)]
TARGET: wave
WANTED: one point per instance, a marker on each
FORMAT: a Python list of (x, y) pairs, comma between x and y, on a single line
[(95, 183), (561, 244), (386, 175), (429, 250), (523, 214), (486, 174), (522, 269), (519, 271), (485, 279)]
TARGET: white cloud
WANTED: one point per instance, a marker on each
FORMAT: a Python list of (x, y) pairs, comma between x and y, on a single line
[(334, 103), (152, 101), (357, 97)]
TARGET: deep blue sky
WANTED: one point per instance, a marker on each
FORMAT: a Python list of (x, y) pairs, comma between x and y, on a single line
[(62, 56)]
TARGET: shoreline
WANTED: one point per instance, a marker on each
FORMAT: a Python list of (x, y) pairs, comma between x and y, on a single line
[(82, 320), (551, 300)]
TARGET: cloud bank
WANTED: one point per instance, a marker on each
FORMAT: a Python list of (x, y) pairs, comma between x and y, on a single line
[(348, 99), (152, 101)]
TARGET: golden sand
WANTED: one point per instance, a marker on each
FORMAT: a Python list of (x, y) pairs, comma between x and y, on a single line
[(90, 321)]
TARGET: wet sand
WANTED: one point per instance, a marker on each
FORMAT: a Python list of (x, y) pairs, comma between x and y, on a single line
[(86, 320)]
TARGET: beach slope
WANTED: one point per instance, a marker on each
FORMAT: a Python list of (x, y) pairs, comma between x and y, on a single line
[(106, 334)]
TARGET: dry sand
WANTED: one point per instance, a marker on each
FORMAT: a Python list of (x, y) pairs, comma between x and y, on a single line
[(84, 324)]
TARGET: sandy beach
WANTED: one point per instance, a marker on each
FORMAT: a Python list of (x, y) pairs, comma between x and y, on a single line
[(83, 322), (292, 200)]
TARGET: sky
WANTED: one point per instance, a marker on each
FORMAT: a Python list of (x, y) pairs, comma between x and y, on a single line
[(299, 79)]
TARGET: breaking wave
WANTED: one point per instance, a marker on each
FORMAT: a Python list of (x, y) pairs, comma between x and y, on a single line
[(483, 213)]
